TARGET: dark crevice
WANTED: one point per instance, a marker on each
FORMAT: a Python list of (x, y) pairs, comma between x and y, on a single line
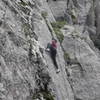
[(95, 37), (1, 22)]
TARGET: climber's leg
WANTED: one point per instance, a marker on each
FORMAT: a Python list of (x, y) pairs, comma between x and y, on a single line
[(53, 53), (54, 61)]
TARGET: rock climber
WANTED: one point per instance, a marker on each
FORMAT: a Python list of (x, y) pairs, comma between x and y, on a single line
[(52, 48)]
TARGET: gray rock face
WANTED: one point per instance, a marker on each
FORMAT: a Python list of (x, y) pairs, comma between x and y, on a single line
[(26, 69), (58, 8), (92, 23), (84, 69)]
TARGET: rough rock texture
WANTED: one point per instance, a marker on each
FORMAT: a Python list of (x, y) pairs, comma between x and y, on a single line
[(26, 69), (58, 8), (82, 57), (84, 62), (84, 66)]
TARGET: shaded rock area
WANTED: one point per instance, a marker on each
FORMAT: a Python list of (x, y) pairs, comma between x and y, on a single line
[(26, 69)]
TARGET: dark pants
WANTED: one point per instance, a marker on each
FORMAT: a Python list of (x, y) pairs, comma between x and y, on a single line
[(53, 53)]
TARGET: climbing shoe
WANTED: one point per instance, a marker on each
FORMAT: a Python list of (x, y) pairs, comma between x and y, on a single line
[(57, 71)]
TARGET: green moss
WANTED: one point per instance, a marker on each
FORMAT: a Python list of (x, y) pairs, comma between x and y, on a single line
[(23, 7), (44, 14), (26, 28), (46, 95), (66, 56), (23, 3), (74, 16), (30, 4), (57, 26), (35, 96), (74, 19), (59, 34)]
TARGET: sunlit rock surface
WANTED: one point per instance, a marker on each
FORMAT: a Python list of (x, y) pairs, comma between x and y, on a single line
[(26, 69)]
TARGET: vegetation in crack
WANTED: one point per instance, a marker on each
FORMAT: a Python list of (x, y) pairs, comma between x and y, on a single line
[(67, 57), (25, 9), (28, 31), (96, 40), (44, 14), (74, 16), (56, 27), (58, 24), (43, 94), (26, 28), (25, 6), (23, 3)]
